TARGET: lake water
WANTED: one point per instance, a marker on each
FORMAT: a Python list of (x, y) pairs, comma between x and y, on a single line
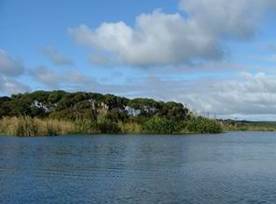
[(225, 168)]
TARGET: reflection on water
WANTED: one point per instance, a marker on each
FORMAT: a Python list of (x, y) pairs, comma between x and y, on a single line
[(228, 168)]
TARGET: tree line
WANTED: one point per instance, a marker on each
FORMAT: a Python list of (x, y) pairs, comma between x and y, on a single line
[(90, 113)]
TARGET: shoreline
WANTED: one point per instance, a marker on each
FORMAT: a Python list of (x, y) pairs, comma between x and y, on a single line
[(142, 134)]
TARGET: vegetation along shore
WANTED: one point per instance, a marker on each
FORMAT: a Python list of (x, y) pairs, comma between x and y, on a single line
[(59, 113)]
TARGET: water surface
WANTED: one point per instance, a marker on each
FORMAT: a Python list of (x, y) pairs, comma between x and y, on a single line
[(226, 168)]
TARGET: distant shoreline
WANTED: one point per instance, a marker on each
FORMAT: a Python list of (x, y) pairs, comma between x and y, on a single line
[(141, 134), (51, 113), (258, 126)]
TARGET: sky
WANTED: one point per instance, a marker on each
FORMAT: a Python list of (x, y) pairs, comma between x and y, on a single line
[(218, 57)]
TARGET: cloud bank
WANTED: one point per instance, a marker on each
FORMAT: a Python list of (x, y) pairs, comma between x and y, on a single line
[(194, 34), (9, 66), (56, 57), (10, 69), (52, 79), (248, 96)]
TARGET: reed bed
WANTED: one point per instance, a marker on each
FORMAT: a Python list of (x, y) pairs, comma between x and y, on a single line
[(130, 128), (27, 126)]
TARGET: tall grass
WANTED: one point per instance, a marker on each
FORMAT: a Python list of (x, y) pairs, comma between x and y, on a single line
[(130, 128), (250, 126), (27, 126)]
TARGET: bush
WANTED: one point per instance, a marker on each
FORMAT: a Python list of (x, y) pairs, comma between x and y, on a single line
[(107, 126), (157, 125), (130, 128), (86, 126), (203, 125)]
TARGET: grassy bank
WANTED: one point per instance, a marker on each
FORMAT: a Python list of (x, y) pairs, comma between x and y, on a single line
[(60, 112), (249, 126), (28, 126)]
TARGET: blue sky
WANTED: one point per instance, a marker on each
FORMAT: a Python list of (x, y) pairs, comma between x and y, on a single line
[(215, 57)]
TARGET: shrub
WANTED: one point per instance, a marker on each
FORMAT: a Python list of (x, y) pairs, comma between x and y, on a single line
[(107, 126), (130, 128), (203, 125), (86, 126), (157, 125)]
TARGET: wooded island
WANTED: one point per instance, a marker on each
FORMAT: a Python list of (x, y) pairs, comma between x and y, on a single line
[(60, 113)]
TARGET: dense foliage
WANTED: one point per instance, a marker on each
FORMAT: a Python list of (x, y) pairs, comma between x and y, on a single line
[(98, 113), (203, 125)]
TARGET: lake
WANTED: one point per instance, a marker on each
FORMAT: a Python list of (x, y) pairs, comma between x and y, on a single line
[(226, 168)]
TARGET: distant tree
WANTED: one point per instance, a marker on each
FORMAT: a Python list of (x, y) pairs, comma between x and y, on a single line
[(55, 96)]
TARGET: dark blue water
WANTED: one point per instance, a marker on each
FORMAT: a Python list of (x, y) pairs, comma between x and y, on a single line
[(227, 168)]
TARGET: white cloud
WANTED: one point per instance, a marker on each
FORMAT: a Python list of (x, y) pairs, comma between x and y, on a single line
[(195, 34), (11, 86), (55, 80), (157, 38), (46, 76), (249, 96), (56, 57), (9, 66), (235, 19)]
